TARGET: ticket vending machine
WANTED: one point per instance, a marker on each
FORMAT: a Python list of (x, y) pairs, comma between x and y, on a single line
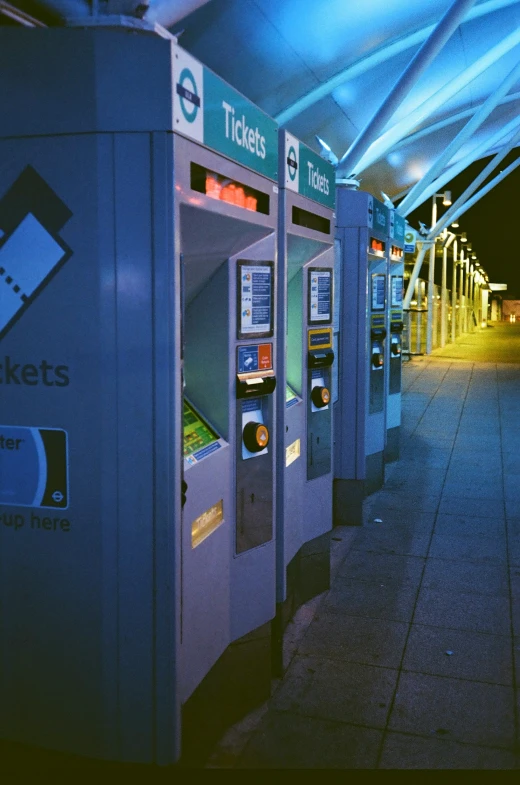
[(304, 398), (138, 433), (395, 326), (361, 334)]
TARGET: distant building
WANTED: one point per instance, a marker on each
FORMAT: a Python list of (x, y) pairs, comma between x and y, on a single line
[(511, 310)]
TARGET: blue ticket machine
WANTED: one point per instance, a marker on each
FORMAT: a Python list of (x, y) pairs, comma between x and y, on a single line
[(137, 372), (395, 328), (304, 427), (361, 335)]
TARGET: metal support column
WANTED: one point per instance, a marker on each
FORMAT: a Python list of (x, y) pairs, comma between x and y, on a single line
[(444, 304), (454, 294)]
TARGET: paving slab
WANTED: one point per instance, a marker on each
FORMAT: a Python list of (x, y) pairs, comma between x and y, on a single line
[(396, 501), (465, 577), (474, 490), (455, 505), (382, 568), (356, 639), (336, 690), (402, 751), (459, 654), (472, 612), (392, 540), (488, 550), (372, 600), (289, 741), (470, 526), (460, 710)]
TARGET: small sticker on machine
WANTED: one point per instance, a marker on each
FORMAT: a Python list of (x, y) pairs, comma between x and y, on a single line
[(292, 452)]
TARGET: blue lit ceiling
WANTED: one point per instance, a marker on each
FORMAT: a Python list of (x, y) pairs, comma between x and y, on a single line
[(278, 51)]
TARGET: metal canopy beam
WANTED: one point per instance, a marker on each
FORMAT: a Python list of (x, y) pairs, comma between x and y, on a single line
[(463, 203), (376, 58), (447, 121), (419, 63), (460, 139), (470, 190), (480, 151), (389, 138)]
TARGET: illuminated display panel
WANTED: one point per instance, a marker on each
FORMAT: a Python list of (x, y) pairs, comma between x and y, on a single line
[(217, 186), (376, 246), (290, 395), (378, 291), (396, 252), (196, 433)]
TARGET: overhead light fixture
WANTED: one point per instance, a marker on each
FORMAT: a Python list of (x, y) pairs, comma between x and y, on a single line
[(455, 224), (464, 237), (446, 198), (473, 256)]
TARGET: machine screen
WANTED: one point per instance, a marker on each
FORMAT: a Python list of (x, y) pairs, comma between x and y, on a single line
[(255, 298), (217, 186), (320, 296), (378, 291), (397, 291), (290, 396), (196, 433)]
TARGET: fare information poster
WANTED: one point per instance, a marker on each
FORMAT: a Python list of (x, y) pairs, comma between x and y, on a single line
[(378, 292), (320, 296), (255, 299), (397, 291)]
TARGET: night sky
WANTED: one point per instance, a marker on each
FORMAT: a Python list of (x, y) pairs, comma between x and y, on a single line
[(491, 224)]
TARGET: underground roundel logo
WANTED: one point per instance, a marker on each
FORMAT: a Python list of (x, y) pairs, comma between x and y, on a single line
[(292, 166), (189, 98), (31, 250)]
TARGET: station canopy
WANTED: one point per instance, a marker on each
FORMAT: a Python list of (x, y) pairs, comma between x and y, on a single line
[(325, 67)]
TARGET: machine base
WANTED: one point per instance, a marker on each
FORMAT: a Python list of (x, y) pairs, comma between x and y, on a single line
[(347, 502), (238, 682), (374, 472), (392, 444), (348, 495), (308, 574)]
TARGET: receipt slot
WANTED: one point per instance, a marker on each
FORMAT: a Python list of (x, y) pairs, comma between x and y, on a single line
[(137, 378), (304, 373), (361, 333), (395, 325)]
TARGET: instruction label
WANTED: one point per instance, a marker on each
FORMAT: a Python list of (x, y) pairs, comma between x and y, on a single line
[(397, 291), (33, 467), (320, 295), (378, 291), (256, 299), (258, 357)]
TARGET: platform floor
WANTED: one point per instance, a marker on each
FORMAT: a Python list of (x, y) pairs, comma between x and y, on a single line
[(412, 659)]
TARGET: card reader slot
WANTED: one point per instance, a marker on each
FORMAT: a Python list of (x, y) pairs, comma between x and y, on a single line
[(320, 359)]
